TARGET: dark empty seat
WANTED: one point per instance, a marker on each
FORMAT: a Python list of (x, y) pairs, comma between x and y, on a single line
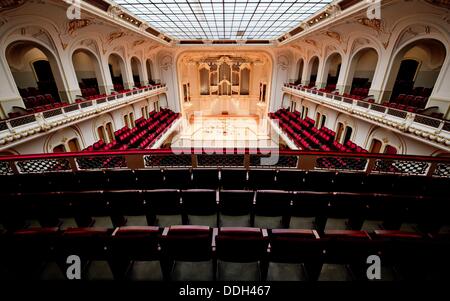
[(349, 182), (135, 253), (128, 208), (91, 209), (319, 181), (290, 180), (178, 178), (397, 250), (240, 253), (149, 179), (272, 208), (262, 179), (381, 212), (234, 179), (205, 178), (187, 251), (92, 180), (120, 179), (380, 183), (92, 247), (64, 181), (345, 255), (308, 211), (342, 212), (164, 207), (200, 206), (294, 255), (29, 253), (235, 208)]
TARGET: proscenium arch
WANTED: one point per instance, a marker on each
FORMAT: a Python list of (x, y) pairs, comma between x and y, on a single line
[(271, 75)]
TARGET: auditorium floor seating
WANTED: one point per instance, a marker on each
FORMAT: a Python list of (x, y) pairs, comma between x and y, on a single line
[(308, 137), (169, 223), (146, 132)]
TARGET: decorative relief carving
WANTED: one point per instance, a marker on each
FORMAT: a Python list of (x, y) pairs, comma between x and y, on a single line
[(114, 36), (334, 35), (381, 28), (75, 25), (166, 62), (10, 4)]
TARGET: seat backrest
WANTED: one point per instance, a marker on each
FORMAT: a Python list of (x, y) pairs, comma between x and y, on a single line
[(199, 201), (136, 242), (236, 202), (294, 245), (236, 244), (88, 243), (187, 243), (163, 201), (272, 202)]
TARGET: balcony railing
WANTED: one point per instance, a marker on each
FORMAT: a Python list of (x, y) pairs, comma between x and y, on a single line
[(24, 126), (433, 129), (225, 158)]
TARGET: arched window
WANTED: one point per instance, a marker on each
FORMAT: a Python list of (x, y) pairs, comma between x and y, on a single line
[(348, 134), (117, 70), (101, 133), (132, 119), (318, 115), (339, 131), (375, 146), (87, 70), (110, 132), (73, 144), (323, 121)]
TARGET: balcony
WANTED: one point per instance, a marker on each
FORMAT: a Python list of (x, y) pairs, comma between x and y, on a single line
[(24, 128), (433, 131)]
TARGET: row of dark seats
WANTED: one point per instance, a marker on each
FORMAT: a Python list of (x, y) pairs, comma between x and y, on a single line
[(204, 253), (227, 178), (263, 208)]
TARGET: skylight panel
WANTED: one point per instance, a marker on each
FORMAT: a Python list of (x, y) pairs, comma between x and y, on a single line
[(222, 19)]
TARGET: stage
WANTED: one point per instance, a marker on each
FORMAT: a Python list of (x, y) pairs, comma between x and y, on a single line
[(224, 131)]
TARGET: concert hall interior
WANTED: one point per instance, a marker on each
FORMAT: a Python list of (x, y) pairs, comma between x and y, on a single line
[(298, 140)]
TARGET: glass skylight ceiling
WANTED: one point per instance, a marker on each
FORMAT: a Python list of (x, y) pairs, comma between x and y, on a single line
[(223, 19)]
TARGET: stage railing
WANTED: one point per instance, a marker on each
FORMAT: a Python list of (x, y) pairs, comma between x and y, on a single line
[(226, 158)]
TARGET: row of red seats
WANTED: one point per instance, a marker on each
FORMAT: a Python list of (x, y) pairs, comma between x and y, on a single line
[(411, 101), (145, 133), (86, 92), (307, 136)]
